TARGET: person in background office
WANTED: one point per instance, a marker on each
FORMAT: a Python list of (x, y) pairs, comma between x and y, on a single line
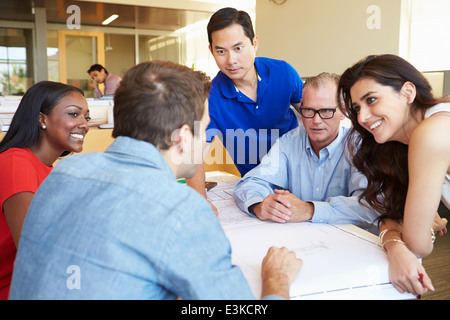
[(100, 75), (306, 175), (50, 121), (249, 94), (404, 151), (123, 221)]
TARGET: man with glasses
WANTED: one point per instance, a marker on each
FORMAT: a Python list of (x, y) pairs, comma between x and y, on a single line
[(307, 174)]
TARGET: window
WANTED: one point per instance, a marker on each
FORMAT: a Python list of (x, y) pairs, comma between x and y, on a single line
[(429, 44), (16, 61), (159, 48)]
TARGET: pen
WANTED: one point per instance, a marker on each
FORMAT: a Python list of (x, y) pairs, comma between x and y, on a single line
[(421, 282)]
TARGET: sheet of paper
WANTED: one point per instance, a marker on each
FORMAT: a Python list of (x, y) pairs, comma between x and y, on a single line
[(230, 216), (339, 261), (336, 264), (220, 193)]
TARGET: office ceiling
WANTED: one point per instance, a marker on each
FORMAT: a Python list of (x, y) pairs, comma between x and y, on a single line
[(92, 14)]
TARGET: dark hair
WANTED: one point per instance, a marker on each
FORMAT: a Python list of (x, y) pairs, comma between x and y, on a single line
[(25, 129), (385, 165), (97, 67), (157, 97), (225, 17)]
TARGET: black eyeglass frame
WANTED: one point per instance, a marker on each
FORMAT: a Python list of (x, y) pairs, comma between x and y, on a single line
[(300, 110)]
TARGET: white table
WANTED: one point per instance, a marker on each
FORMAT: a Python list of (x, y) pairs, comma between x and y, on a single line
[(339, 261)]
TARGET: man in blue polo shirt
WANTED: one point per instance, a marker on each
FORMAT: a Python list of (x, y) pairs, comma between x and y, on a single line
[(250, 97)]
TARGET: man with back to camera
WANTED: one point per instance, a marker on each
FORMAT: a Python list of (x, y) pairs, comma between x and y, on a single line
[(306, 175), (250, 97), (99, 74), (117, 225)]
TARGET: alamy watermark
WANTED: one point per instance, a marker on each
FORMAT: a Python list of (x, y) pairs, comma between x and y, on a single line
[(373, 22), (73, 22), (74, 280), (239, 143)]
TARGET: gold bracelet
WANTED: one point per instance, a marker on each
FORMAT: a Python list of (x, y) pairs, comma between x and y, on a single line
[(391, 240), (383, 233)]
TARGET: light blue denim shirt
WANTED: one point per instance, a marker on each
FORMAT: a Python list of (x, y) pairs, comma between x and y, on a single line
[(117, 225), (328, 181)]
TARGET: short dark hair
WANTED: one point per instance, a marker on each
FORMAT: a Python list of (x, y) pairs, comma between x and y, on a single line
[(25, 129), (225, 17), (97, 67), (155, 98)]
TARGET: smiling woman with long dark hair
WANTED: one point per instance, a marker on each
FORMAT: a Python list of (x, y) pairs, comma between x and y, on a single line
[(400, 143), (50, 121)]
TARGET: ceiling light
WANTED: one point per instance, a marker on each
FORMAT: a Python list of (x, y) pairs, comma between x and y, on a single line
[(110, 19)]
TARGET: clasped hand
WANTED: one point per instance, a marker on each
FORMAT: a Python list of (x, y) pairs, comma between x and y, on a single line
[(282, 206)]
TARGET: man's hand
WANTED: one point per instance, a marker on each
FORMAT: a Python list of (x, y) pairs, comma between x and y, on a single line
[(93, 84), (300, 210), (274, 207), (283, 207), (279, 270)]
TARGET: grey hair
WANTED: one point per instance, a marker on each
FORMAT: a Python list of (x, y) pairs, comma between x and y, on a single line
[(321, 80)]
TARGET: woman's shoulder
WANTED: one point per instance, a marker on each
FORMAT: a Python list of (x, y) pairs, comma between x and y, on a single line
[(19, 170), (436, 120), (15, 153), (21, 158), (433, 132), (441, 109)]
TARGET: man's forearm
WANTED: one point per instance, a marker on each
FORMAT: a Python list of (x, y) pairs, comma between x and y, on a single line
[(197, 182)]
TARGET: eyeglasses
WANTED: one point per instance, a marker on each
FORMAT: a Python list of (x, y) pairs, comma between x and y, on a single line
[(327, 113)]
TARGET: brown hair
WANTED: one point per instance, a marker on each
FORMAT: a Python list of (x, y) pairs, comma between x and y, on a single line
[(385, 165), (155, 98)]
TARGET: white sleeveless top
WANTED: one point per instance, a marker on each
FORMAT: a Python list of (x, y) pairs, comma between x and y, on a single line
[(446, 189)]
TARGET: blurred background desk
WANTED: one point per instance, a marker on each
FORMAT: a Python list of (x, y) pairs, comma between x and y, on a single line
[(97, 140)]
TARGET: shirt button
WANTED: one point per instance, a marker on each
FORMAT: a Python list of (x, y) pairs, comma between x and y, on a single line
[(317, 189)]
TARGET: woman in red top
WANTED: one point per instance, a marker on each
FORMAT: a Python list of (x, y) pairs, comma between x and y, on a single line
[(51, 121)]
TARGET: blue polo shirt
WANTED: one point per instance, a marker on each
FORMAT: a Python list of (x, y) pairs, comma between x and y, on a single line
[(249, 128)]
